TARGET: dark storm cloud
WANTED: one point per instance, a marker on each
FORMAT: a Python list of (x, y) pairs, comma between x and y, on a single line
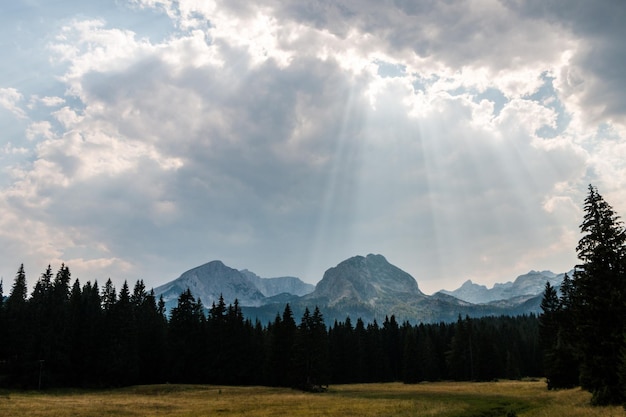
[(601, 56)]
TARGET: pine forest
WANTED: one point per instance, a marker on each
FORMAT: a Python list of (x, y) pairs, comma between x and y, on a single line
[(65, 333)]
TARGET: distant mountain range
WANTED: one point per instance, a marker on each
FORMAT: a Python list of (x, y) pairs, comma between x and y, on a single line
[(367, 287), (530, 284)]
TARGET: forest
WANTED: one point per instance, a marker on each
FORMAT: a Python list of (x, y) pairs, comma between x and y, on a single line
[(65, 334), (84, 336)]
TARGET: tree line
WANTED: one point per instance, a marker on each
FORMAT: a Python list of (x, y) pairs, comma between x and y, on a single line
[(582, 325), (85, 336), (68, 334)]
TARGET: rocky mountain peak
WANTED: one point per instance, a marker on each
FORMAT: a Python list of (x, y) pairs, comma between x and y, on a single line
[(211, 280), (364, 279)]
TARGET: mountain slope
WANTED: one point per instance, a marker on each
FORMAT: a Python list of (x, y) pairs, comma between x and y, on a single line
[(280, 285), (365, 280), (208, 282)]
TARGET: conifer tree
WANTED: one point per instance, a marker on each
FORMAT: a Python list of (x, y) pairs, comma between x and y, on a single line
[(281, 349), (311, 364), (557, 335), (187, 341), (109, 296), (240, 347), (376, 368), (392, 347), (90, 343), (120, 359), (61, 286), (41, 318), (125, 336), (43, 288), (599, 291), (161, 307), (17, 296), (78, 365), (217, 351), (462, 354), (17, 331), (342, 345), (360, 351), (150, 327), (411, 356), (60, 361), (429, 363), (549, 331)]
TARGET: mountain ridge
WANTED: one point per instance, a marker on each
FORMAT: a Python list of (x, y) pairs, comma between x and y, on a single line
[(530, 284), (368, 287)]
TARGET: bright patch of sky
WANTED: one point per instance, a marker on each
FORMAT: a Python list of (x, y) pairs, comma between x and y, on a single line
[(142, 138)]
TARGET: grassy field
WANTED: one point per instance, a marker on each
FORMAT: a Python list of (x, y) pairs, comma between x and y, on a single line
[(505, 398)]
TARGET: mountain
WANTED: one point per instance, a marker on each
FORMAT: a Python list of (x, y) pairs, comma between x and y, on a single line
[(210, 280), (366, 287), (281, 285), (371, 288), (471, 292), (527, 285), (213, 279), (366, 280)]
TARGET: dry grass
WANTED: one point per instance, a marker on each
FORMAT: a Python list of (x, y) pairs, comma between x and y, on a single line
[(520, 398)]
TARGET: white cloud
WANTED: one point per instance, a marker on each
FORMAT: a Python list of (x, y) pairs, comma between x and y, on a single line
[(41, 129), (271, 135), (46, 101), (10, 99), (89, 47), (10, 149)]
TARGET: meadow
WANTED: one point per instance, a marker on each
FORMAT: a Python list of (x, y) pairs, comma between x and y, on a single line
[(503, 398)]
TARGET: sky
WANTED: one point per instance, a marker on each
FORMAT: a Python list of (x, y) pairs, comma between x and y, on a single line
[(142, 138)]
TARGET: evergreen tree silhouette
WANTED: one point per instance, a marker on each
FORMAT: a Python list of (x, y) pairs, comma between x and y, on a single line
[(599, 291)]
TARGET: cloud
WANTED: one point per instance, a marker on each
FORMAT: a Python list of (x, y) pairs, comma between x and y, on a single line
[(284, 137), (39, 129), (47, 101), (9, 99), (592, 81)]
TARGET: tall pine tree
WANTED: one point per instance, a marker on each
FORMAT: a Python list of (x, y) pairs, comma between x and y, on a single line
[(551, 333), (187, 341), (558, 337), (281, 349), (17, 331), (311, 361), (599, 291)]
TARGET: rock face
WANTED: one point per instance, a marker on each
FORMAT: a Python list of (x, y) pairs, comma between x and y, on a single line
[(213, 279), (364, 280), (280, 285), (208, 282)]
